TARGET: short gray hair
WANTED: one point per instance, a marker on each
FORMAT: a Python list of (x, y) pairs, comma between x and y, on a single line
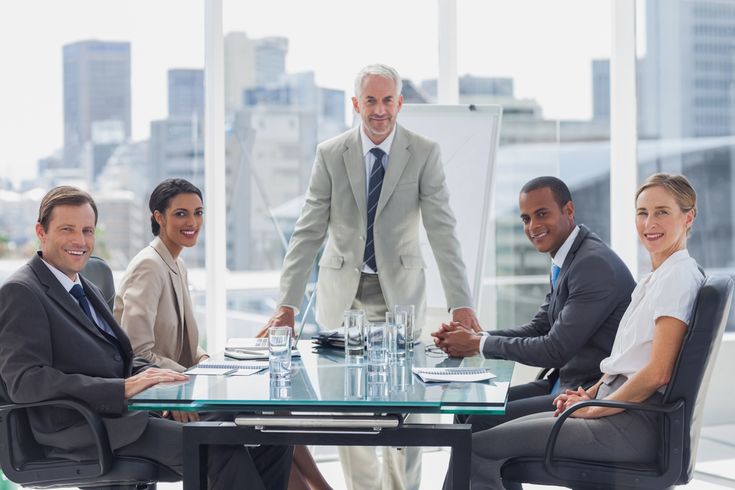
[(384, 71)]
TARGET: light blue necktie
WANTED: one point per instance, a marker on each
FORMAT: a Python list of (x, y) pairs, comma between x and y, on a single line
[(555, 269)]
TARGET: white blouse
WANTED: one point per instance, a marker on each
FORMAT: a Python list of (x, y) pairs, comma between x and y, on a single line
[(670, 290)]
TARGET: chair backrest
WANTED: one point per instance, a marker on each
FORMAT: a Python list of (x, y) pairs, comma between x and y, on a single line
[(19, 445), (98, 273), (693, 369)]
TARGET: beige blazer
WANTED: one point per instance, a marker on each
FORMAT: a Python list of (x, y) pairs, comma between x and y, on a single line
[(414, 188), (154, 307)]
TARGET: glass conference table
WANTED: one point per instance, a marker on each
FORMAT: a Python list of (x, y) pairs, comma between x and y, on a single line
[(331, 402)]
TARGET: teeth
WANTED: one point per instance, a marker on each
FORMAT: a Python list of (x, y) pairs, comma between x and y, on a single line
[(75, 252)]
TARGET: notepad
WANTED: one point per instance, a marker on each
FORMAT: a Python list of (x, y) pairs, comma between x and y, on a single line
[(232, 368), (458, 374)]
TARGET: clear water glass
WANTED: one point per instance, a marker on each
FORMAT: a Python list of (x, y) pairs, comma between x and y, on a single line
[(279, 353), (397, 335), (408, 313), (354, 333), (377, 351)]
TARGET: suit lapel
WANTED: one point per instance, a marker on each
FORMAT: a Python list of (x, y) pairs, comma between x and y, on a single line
[(355, 167), (173, 277), (100, 306), (583, 232), (56, 292), (397, 161)]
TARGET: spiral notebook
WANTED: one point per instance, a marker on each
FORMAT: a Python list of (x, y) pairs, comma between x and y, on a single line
[(228, 368), (452, 374)]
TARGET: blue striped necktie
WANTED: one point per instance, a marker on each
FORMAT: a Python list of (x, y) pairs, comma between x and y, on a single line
[(374, 186)]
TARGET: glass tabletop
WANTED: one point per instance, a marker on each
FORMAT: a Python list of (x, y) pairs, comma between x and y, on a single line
[(322, 381)]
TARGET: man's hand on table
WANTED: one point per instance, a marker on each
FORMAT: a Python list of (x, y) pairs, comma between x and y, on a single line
[(457, 340), (150, 377), (283, 317)]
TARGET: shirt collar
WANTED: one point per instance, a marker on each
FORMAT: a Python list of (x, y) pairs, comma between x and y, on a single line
[(62, 278), (563, 251), (368, 145)]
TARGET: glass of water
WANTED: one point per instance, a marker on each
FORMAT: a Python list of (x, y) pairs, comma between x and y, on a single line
[(396, 335), (377, 351), (408, 314), (354, 330), (279, 353)]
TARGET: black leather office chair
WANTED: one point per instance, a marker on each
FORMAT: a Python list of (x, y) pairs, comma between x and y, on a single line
[(98, 273), (680, 416), (24, 461)]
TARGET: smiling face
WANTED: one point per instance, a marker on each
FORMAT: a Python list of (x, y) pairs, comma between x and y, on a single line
[(181, 222), (662, 225), (378, 105), (68, 240), (546, 224)]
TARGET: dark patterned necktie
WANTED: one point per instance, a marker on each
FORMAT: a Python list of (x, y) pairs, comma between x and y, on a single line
[(79, 295), (374, 186)]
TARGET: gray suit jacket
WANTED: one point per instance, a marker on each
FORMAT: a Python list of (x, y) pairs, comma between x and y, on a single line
[(50, 349), (336, 207), (575, 327)]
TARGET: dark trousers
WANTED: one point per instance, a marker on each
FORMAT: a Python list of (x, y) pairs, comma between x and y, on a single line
[(229, 467)]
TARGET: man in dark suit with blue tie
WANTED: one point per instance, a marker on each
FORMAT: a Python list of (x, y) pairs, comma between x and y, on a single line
[(58, 339), (575, 327)]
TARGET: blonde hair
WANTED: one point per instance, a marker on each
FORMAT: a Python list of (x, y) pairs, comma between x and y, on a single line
[(676, 185)]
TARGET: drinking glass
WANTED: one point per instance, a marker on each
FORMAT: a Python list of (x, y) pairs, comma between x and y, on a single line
[(354, 328), (408, 312), (396, 324), (279, 353), (377, 351)]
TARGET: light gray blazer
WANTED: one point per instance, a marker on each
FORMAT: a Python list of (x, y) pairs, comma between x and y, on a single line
[(154, 308), (414, 187)]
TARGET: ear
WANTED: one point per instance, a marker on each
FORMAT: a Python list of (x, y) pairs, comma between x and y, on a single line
[(569, 210), (400, 103), (356, 104), (689, 219), (40, 232), (159, 218)]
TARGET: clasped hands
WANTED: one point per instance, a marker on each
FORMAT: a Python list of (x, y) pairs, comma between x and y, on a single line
[(460, 337)]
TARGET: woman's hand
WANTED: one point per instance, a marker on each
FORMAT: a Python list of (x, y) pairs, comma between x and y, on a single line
[(569, 398)]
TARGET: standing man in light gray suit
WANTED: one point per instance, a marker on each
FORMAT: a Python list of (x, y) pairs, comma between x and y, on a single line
[(574, 328), (369, 186)]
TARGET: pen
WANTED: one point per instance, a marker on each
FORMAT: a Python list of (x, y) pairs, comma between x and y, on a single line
[(230, 372)]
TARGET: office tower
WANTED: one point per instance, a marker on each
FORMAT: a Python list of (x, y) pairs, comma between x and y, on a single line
[(601, 89), (123, 228), (96, 89), (270, 59), (473, 87), (239, 68), (186, 93), (687, 90)]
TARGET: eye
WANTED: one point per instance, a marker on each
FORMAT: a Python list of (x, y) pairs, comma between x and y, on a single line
[(180, 214), (199, 212), (525, 220), (662, 212), (89, 231), (542, 214), (641, 213)]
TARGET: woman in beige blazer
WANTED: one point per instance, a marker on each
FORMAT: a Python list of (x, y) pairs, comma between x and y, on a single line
[(153, 304)]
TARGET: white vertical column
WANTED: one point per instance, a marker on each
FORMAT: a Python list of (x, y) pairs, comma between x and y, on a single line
[(623, 133), (447, 82), (214, 172)]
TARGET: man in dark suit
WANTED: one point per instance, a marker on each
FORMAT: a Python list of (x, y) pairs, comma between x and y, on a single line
[(575, 327), (58, 339)]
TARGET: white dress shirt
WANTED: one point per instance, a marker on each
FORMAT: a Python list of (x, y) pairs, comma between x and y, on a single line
[(670, 290)]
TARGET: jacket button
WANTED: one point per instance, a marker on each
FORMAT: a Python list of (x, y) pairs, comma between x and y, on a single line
[(357, 269), (362, 237), (116, 357)]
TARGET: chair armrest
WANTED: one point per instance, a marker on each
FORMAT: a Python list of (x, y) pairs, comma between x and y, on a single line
[(554, 434), (99, 432)]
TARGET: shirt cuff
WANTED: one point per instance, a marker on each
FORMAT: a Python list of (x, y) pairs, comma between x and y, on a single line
[(451, 310), (485, 336)]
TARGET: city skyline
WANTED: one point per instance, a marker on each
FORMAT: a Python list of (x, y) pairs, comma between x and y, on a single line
[(33, 97)]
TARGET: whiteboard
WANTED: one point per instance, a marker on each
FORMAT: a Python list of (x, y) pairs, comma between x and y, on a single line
[(468, 138)]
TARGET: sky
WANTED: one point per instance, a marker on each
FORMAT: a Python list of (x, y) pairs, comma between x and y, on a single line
[(545, 46)]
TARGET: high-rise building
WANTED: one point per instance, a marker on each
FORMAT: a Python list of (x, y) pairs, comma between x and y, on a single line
[(96, 89), (688, 69), (270, 59), (473, 86), (186, 93)]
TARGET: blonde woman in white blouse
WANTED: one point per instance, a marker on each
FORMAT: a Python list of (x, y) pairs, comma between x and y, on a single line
[(643, 355)]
